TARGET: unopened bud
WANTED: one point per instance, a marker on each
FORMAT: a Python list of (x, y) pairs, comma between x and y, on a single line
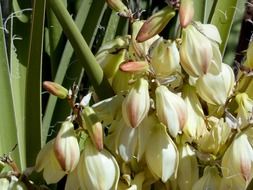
[(94, 127), (155, 24), (186, 12), (136, 105), (66, 147), (195, 52), (55, 89), (165, 57), (119, 6), (134, 66), (170, 105)]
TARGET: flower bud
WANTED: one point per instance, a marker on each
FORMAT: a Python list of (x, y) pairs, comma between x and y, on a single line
[(210, 179), (136, 105), (161, 154), (66, 147), (55, 89), (94, 127), (118, 6), (47, 161), (237, 162), (135, 66), (155, 24), (97, 169), (170, 109), (188, 171), (215, 89), (186, 12), (245, 109), (195, 52), (139, 51), (165, 57)]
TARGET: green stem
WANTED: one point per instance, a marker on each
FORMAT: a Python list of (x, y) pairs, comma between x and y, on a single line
[(93, 70)]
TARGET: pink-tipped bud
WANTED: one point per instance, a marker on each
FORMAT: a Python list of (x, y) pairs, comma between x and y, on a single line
[(94, 127), (134, 66), (155, 24), (66, 147), (186, 12), (136, 105), (55, 89)]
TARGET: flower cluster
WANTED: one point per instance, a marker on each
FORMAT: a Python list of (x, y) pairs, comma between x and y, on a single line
[(180, 118)]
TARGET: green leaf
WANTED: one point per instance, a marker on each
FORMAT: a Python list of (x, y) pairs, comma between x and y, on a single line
[(63, 67), (19, 12), (33, 84), (222, 18), (200, 10), (93, 70), (111, 27), (8, 133)]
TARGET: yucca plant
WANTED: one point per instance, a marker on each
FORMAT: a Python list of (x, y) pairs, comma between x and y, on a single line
[(125, 95)]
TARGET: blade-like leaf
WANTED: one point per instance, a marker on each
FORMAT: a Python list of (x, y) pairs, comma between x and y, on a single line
[(8, 133), (93, 70), (63, 66), (222, 18), (33, 84)]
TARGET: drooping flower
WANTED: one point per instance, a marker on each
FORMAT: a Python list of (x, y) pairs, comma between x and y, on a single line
[(97, 169), (161, 154), (136, 105), (237, 161), (164, 57), (215, 89), (171, 110)]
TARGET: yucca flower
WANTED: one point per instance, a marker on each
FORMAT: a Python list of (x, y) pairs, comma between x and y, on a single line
[(237, 162), (136, 105), (171, 110), (161, 154), (97, 169), (164, 57)]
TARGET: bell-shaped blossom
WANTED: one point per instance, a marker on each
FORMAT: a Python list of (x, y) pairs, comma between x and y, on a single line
[(237, 161), (245, 109), (171, 110), (97, 169), (211, 141), (161, 154), (195, 52), (195, 124), (136, 105), (188, 171), (215, 89), (164, 57), (47, 161), (66, 147), (210, 180), (128, 142)]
